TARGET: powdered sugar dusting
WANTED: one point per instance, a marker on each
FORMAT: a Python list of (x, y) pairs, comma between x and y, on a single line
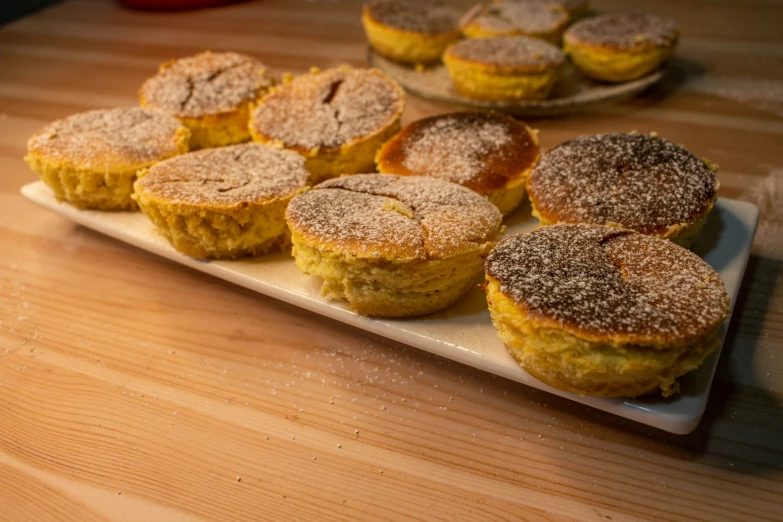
[(530, 17), (509, 51), (639, 181), (421, 16), (126, 137), (330, 108), (207, 83), (604, 280), (401, 217), (480, 150), (235, 175), (623, 30)]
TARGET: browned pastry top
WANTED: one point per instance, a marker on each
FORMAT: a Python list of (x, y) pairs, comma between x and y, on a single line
[(610, 283)]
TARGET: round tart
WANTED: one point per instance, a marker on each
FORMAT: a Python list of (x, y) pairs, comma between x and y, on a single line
[(337, 119), (410, 31), (226, 202), (211, 93), (392, 246), (636, 181), (91, 159), (509, 68), (620, 47), (535, 18), (487, 152), (600, 311)]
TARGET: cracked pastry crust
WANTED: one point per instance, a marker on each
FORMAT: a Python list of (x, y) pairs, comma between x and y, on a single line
[(211, 93), (337, 119), (223, 203), (487, 152), (602, 311), (620, 47), (392, 246), (410, 31), (636, 181), (90, 159)]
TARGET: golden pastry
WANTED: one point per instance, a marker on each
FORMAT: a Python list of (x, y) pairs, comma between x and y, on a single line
[(91, 159), (211, 93), (410, 31), (225, 202), (619, 47), (600, 311), (542, 19), (509, 68), (337, 119), (392, 246), (487, 152), (636, 181)]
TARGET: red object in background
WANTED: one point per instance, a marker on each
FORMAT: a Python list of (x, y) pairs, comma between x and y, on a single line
[(172, 5)]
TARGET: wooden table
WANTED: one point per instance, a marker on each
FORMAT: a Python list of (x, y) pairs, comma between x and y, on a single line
[(132, 388)]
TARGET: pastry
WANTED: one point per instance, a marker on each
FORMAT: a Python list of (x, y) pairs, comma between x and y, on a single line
[(392, 246), (636, 181), (337, 119), (619, 47), (211, 93), (509, 68), (543, 19), (602, 311), (487, 152), (225, 202), (90, 159), (410, 31)]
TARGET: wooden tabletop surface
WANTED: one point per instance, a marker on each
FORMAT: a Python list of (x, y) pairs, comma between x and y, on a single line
[(131, 387)]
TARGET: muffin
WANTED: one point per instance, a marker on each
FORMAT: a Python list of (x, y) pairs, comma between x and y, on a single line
[(599, 311), (510, 68), (620, 47), (542, 19), (211, 93), (636, 181), (90, 159), (392, 246), (410, 31), (337, 119), (487, 152), (223, 203)]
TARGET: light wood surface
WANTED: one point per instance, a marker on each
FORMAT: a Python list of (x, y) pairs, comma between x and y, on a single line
[(132, 388)]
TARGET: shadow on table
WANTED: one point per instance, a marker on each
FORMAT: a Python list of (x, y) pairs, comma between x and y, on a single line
[(742, 427)]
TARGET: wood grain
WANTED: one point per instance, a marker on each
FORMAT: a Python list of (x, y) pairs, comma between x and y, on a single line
[(134, 388)]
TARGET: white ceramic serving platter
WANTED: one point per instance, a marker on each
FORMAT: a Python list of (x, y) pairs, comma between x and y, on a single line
[(572, 93), (464, 332)]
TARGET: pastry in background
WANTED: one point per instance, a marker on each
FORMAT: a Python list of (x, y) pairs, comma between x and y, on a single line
[(636, 181), (619, 47), (509, 68), (392, 246), (337, 119), (90, 159), (542, 19), (601, 311), (487, 152), (223, 203), (410, 31), (211, 93)]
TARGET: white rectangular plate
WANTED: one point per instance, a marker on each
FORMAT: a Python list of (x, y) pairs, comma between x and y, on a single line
[(464, 332)]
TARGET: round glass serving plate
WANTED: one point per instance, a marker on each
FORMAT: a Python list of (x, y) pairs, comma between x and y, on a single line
[(572, 93)]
